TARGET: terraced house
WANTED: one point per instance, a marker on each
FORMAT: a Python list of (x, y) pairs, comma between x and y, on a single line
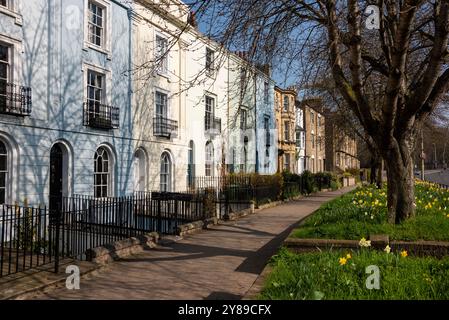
[(65, 100), (104, 98), (285, 109)]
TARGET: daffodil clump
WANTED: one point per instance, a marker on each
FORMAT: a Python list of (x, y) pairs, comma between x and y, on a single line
[(430, 197), (364, 212), (340, 274)]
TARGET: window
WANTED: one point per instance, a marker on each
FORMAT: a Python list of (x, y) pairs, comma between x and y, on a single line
[(191, 165), (245, 155), (319, 142), (140, 163), (303, 140), (286, 131), (266, 92), (313, 140), (95, 88), (210, 59), (312, 117), (209, 159), (319, 121), (242, 81), (5, 73), (337, 160), (102, 173), (161, 105), (166, 173), (266, 125), (5, 3), (96, 24), (243, 119), (286, 103), (210, 111), (287, 161), (3, 172), (161, 54)]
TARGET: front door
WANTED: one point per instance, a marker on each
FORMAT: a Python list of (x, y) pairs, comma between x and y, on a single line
[(56, 167)]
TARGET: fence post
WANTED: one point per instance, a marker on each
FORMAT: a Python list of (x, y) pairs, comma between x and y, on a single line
[(57, 238)]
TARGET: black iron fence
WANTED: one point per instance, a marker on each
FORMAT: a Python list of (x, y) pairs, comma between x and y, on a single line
[(30, 237), (27, 238), (15, 99)]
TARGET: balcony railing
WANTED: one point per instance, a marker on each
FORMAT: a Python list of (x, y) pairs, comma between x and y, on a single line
[(267, 139), (101, 116), (164, 127), (212, 125), (15, 99)]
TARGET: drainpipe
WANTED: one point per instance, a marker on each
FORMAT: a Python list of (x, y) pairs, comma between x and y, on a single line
[(255, 122)]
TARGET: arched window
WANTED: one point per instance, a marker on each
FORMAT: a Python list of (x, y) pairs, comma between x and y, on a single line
[(209, 159), (3, 172), (245, 155), (140, 164), (102, 173), (191, 165), (166, 173)]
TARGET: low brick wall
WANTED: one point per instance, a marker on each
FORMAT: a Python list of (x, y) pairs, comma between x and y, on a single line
[(196, 226), (122, 248), (436, 249), (240, 214)]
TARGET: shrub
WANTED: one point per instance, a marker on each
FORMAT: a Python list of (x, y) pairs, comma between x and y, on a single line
[(309, 182)]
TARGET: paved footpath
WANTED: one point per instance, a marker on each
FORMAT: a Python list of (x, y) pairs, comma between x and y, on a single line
[(220, 263)]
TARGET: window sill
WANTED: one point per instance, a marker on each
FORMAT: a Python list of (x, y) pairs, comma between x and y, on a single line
[(164, 75), (15, 15), (88, 45)]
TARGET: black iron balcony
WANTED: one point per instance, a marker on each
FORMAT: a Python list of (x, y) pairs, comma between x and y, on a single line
[(267, 139), (101, 116), (212, 125), (14, 99), (164, 127)]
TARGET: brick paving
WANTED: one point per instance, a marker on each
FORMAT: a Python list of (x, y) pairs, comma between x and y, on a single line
[(220, 263)]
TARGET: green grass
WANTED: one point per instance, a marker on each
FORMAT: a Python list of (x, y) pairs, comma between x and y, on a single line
[(312, 276), (363, 212)]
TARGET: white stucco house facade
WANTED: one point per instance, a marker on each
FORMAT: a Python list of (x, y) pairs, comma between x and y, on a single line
[(105, 98)]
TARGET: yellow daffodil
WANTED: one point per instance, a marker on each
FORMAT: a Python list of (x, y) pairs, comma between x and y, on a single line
[(348, 256), (404, 253), (342, 261), (387, 249)]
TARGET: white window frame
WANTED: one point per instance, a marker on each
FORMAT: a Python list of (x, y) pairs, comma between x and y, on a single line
[(107, 34), (266, 92), (164, 73), (284, 105), (209, 159), (15, 63), (243, 118), (110, 173), (210, 71), (169, 182), (107, 85), (166, 93), (13, 9)]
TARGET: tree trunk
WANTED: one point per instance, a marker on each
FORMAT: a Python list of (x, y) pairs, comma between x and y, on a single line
[(401, 184), (380, 173)]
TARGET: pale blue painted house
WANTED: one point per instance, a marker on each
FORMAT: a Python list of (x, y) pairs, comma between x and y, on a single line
[(65, 99)]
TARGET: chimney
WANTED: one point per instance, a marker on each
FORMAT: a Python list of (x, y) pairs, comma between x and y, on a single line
[(192, 19)]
